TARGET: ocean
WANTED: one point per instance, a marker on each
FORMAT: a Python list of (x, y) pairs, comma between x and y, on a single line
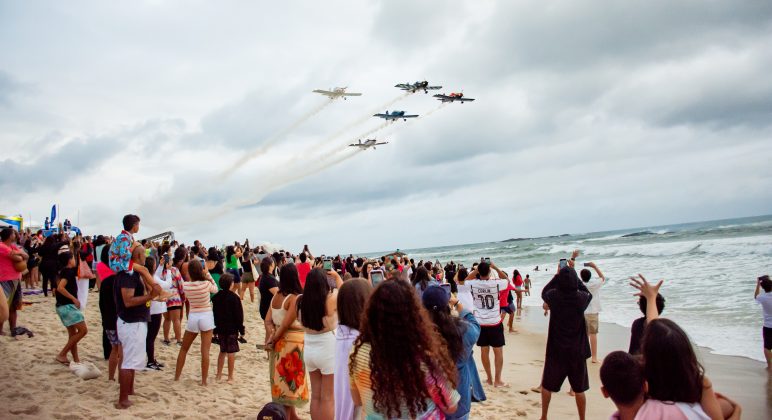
[(710, 271)]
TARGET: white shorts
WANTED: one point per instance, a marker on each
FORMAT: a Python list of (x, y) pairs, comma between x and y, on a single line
[(133, 338), (319, 352), (200, 322)]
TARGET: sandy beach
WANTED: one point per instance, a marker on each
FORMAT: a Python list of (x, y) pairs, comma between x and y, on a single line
[(41, 388)]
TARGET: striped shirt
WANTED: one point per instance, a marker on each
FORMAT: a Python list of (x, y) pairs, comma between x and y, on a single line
[(197, 293), (439, 390)]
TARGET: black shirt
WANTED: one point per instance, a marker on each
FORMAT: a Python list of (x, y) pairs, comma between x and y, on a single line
[(267, 282), (228, 313), (68, 274), (636, 333), (139, 313), (107, 303)]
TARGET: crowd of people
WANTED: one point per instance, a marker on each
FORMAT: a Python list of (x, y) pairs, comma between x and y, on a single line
[(332, 325)]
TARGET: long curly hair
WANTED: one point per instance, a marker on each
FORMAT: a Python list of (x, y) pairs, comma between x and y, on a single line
[(402, 339)]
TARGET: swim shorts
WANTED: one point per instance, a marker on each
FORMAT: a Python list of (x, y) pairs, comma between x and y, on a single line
[(69, 315), (133, 337), (491, 336), (229, 343), (12, 290), (112, 337), (592, 323), (557, 369), (767, 338)]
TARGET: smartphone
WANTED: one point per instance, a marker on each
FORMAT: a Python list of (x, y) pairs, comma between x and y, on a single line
[(327, 265), (563, 263), (487, 260), (586, 264), (376, 276)]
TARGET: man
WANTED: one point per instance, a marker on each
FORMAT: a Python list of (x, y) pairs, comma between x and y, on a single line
[(485, 293), (592, 311), (10, 279), (304, 267), (47, 224), (133, 293), (567, 344), (765, 300)]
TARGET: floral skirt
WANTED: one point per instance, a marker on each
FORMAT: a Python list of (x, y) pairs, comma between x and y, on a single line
[(289, 384)]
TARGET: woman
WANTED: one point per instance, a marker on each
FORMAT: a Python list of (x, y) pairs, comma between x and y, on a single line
[(248, 278), (287, 368), (461, 335), (173, 315), (214, 265), (423, 280), (318, 313), (68, 309), (352, 298), (671, 368), (232, 266), (417, 381), (268, 287), (49, 262), (162, 276), (367, 267), (518, 280), (200, 320), (32, 245)]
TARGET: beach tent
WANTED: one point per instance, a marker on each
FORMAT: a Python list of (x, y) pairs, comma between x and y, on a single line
[(16, 222)]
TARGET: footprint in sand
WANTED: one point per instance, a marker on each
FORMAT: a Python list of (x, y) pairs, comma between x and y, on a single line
[(29, 410)]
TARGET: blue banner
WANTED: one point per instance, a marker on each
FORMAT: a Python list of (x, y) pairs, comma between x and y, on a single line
[(53, 214)]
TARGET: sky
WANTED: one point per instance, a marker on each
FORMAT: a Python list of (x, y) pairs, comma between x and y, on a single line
[(199, 117)]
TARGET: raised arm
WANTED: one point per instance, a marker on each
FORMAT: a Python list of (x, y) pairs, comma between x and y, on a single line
[(649, 292), (758, 288)]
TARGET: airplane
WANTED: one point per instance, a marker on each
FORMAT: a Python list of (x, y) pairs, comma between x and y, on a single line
[(452, 97), (367, 144), (413, 87), (338, 92), (394, 115)]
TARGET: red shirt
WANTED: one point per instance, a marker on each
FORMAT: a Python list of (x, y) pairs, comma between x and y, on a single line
[(303, 270), (7, 272)]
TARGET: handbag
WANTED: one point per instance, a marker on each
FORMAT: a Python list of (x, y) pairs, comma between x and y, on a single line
[(84, 272), (20, 266)]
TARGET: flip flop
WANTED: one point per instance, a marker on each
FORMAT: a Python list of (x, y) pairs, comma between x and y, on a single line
[(67, 363)]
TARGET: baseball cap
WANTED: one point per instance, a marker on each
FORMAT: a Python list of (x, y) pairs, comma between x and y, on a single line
[(435, 297)]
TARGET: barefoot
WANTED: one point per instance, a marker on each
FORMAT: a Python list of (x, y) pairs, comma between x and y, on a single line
[(65, 361), (536, 389), (218, 378), (501, 384), (489, 381), (122, 405), (202, 383), (571, 393), (229, 381)]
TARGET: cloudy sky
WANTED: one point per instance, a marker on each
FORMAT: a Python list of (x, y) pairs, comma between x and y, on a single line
[(199, 116)]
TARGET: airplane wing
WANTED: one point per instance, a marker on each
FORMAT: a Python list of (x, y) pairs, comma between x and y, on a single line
[(441, 97), (408, 116), (433, 87), (354, 145), (382, 143), (352, 94), (381, 115), (325, 92), (465, 99)]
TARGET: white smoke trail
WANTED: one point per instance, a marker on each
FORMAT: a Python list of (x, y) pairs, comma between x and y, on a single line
[(273, 140), (361, 120)]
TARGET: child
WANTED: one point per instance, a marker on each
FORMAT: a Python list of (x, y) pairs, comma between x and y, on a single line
[(636, 330), (527, 285), (622, 379), (68, 308), (229, 322)]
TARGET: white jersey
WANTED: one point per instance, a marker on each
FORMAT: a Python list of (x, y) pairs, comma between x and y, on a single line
[(485, 294)]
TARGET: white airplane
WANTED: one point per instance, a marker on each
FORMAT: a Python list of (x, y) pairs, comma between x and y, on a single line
[(338, 92), (368, 144)]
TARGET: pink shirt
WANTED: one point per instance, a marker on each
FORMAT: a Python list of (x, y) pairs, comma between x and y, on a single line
[(7, 272), (103, 271), (656, 410)]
